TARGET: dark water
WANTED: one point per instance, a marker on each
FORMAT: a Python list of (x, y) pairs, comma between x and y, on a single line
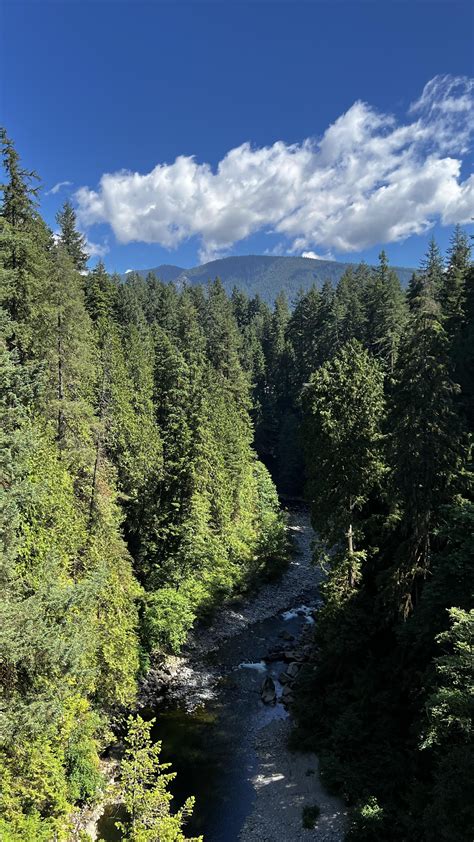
[(212, 749)]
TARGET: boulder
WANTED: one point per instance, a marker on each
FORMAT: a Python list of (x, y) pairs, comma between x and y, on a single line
[(268, 691), (292, 655), (284, 678), (293, 669), (287, 696), (274, 656)]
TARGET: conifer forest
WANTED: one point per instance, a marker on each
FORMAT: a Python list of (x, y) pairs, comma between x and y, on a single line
[(153, 435)]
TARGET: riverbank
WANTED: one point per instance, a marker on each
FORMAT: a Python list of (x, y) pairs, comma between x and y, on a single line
[(228, 748), (190, 679), (286, 782), (219, 675)]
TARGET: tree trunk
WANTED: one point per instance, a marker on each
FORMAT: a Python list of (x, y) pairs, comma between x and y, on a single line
[(350, 552)]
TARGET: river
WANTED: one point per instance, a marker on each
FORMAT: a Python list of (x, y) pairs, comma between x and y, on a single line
[(216, 730)]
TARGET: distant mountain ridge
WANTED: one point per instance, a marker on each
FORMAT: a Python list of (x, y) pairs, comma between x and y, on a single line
[(263, 274)]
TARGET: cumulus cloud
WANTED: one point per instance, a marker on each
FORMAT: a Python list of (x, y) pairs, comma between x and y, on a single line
[(57, 187), (96, 249), (369, 179)]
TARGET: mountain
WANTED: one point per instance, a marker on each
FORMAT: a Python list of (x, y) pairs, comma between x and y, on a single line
[(264, 275), (166, 272)]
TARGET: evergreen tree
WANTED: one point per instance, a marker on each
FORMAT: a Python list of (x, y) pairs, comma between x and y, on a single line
[(24, 245), (145, 789), (327, 327), (427, 434), (385, 313), (19, 196), (125, 454), (453, 289), (448, 733), (427, 283), (350, 304), (303, 335), (344, 407), (70, 238)]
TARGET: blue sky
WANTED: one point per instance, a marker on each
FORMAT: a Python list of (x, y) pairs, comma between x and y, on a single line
[(313, 98)]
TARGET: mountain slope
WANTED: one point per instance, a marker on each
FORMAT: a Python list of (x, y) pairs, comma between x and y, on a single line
[(165, 272), (264, 275)]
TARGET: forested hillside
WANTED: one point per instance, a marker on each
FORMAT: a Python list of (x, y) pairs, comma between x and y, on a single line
[(131, 502), (364, 405), (370, 393), (263, 275)]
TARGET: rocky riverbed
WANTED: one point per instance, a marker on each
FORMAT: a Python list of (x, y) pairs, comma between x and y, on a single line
[(191, 678), (229, 747), (286, 783)]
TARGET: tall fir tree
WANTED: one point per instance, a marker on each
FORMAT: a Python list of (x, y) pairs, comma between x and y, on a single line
[(70, 238)]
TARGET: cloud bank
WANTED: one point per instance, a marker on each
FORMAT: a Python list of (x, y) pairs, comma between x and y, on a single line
[(369, 179)]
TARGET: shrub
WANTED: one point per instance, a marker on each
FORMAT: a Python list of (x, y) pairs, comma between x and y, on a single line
[(311, 814), (367, 822), (167, 619)]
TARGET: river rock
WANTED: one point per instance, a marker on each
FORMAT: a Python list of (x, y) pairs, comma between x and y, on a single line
[(293, 669), (268, 691), (292, 655), (287, 696), (284, 678), (276, 655)]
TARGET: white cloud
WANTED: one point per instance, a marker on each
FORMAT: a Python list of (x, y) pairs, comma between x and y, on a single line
[(96, 249), (367, 180), (276, 251), (57, 187), (314, 256)]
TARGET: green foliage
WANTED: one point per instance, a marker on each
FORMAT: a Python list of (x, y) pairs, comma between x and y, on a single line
[(127, 481), (167, 619), (145, 790), (368, 822), (391, 716), (70, 238), (82, 732), (133, 503), (344, 408), (311, 815), (264, 275), (450, 708)]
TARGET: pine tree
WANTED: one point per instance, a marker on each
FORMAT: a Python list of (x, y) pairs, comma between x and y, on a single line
[(24, 245), (327, 324), (350, 304), (145, 788), (453, 289), (385, 313), (344, 407), (19, 196), (427, 435), (100, 293), (70, 238), (448, 733), (70, 355), (428, 282), (303, 335)]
